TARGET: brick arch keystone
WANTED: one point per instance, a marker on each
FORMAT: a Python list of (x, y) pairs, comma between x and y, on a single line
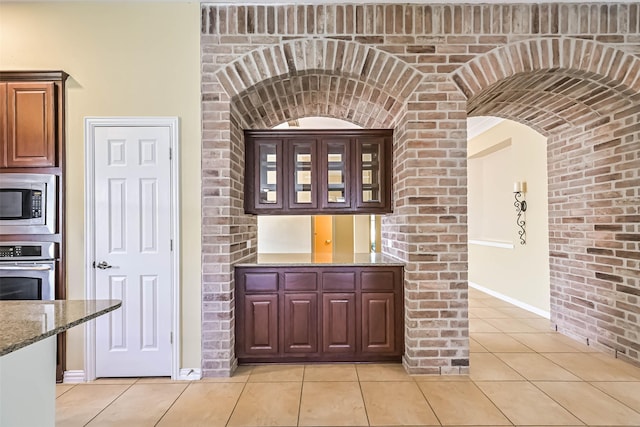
[(602, 63)]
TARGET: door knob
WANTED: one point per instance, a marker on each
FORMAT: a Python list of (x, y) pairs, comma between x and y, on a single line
[(327, 242), (102, 266)]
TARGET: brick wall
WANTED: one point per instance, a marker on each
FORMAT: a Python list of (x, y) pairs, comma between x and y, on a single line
[(570, 71)]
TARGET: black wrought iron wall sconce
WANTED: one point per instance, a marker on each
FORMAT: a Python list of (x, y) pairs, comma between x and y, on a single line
[(519, 188)]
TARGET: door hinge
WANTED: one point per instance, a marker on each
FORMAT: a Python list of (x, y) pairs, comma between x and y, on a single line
[(171, 244), (170, 154), (170, 337)]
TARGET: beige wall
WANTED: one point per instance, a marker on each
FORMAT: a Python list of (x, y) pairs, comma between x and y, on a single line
[(506, 153), (124, 59)]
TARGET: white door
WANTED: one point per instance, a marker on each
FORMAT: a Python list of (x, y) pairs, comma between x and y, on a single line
[(132, 218)]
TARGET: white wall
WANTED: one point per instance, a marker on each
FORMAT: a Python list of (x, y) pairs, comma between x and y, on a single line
[(506, 153), (284, 234), (124, 59)]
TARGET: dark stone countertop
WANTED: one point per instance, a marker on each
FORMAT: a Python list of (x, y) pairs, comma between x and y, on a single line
[(319, 260), (23, 323)]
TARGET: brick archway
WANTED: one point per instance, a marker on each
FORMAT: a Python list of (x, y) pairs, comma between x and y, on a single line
[(318, 77), (584, 97)]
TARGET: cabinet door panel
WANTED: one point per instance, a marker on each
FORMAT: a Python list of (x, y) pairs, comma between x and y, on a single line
[(339, 281), (261, 324), (268, 183), (31, 130), (335, 163), (300, 281), (301, 323), (373, 280), (257, 282), (378, 322), (303, 178), (339, 323), (3, 125), (371, 175)]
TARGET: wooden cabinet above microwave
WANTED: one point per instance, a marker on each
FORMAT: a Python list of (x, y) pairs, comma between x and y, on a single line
[(31, 114), (318, 172)]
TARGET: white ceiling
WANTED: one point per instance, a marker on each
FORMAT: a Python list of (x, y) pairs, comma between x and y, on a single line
[(481, 124)]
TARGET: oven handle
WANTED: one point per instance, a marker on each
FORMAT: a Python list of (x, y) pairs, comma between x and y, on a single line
[(35, 267)]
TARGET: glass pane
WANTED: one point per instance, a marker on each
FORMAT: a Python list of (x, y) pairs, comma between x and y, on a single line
[(303, 174), (268, 174), (336, 173), (370, 173)]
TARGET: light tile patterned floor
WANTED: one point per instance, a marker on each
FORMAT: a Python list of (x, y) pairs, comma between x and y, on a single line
[(521, 375)]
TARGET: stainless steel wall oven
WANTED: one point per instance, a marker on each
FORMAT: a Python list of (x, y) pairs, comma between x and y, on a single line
[(27, 270)]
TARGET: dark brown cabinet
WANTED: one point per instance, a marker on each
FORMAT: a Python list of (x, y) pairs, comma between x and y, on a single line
[(318, 172), (295, 313), (30, 106)]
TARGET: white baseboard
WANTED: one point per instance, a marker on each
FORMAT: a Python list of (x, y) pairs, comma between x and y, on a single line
[(190, 374), (517, 303), (73, 377)]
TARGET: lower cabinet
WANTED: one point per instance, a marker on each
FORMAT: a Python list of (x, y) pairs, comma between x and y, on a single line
[(297, 314)]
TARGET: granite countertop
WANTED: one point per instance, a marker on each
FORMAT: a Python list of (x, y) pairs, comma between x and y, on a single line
[(23, 323), (314, 260)]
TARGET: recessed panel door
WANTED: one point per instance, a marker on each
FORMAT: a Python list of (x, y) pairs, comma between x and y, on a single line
[(378, 324), (300, 323), (339, 322), (133, 250), (261, 324)]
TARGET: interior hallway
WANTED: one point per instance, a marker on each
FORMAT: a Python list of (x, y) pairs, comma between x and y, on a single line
[(521, 374)]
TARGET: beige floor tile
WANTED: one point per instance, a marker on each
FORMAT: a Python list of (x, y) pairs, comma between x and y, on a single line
[(590, 405), (550, 342), (487, 367), (396, 403), (157, 380), (330, 373), (63, 388), (500, 343), (518, 313), (535, 367), (495, 303), (590, 367), (267, 404), (610, 360), (382, 372), (475, 347), (510, 325), (488, 313), (626, 392), (79, 405), (539, 324), (276, 373), (461, 403), (128, 381), (524, 404), (141, 405), (480, 325), (332, 404), (441, 378), (203, 404), (241, 375)]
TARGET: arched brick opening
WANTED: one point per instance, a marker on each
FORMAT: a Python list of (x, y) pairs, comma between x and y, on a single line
[(584, 97)]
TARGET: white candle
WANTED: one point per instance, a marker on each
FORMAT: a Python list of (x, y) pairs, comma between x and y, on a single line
[(517, 187)]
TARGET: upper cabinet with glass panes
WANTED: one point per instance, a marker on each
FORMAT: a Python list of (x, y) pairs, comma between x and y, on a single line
[(318, 172)]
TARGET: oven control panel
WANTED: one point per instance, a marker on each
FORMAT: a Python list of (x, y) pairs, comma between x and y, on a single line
[(26, 250)]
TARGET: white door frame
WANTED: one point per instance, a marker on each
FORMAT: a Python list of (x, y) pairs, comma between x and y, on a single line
[(90, 123)]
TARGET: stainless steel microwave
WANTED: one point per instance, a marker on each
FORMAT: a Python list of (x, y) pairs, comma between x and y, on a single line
[(27, 203)]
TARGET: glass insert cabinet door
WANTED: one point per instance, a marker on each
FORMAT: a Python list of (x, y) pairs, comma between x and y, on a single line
[(303, 175), (335, 163), (370, 182), (269, 186)]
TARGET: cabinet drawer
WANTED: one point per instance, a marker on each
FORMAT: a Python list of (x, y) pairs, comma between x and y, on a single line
[(378, 280), (261, 282), (299, 281), (339, 281)]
